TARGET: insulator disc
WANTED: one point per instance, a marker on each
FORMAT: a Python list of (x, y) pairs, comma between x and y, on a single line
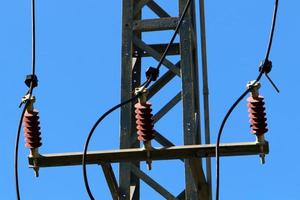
[(144, 121), (32, 129), (257, 115)]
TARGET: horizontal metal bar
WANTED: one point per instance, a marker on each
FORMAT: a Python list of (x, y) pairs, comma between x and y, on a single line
[(169, 153), (160, 48), (160, 24)]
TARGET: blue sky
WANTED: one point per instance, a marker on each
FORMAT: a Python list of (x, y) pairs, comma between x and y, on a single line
[(78, 65)]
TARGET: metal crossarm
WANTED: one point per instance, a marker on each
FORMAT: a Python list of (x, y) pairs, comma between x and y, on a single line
[(138, 154)]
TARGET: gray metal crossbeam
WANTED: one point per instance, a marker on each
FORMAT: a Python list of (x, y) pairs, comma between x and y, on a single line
[(160, 48), (160, 24), (139, 154)]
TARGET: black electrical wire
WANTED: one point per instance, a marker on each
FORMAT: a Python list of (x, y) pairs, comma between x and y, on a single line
[(272, 29), (240, 98), (145, 85), (30, 92), (174, 35), (16, 153), (163, 57), (220, 134), (89, 138)]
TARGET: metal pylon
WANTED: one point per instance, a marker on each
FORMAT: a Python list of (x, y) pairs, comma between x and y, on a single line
[(134, 49)]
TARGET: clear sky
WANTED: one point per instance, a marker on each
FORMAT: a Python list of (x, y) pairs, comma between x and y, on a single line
[(78, 65)]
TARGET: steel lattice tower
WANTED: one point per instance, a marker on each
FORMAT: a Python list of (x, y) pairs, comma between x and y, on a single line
[(134, 49)]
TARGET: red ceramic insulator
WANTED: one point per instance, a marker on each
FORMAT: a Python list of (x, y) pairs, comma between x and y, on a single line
[(144, 121), (32, 129), (257, 115)]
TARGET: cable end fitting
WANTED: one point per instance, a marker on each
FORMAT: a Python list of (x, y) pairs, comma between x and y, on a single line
[(29, 99), (254, 87), (261, 140), (152, 73), (34, 153), (31, 79), (143, 92)]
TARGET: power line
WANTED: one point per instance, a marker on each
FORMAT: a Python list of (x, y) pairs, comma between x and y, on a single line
[(265, 68), (272, 30), (32, 84)]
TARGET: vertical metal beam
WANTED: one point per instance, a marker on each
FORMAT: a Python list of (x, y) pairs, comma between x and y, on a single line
[(131, 67), (205, 92), (190, 98)]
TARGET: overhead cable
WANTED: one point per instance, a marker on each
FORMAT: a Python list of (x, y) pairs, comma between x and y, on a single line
[(31, 82), (265, 68)]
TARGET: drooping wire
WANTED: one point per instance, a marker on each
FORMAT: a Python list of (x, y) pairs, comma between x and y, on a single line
[(144, 85), (220, 134), (240, 98), (30, 92), (89, 138)]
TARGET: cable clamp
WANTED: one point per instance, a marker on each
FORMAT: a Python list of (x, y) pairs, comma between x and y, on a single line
[(31, 81), (266, 67), (152, 73)]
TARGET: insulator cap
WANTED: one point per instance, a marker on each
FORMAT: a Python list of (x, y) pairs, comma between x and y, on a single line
[(32, 128), (257, 115), (144, 121)]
